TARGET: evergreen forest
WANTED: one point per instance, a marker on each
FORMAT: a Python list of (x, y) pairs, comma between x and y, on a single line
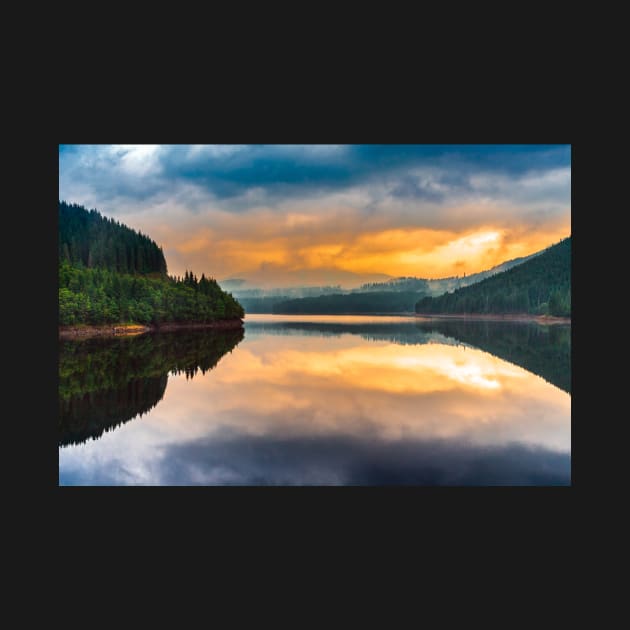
[(540, 286), (109, 273)]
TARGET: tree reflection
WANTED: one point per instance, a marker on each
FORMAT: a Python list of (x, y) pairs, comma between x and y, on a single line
[(104, 383), (542, 350)]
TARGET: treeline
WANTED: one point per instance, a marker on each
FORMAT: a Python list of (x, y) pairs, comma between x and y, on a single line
[(100, 296), (399, 284), (262, 304), (109, 273), (352, 303), (541, 286), (92, 240)]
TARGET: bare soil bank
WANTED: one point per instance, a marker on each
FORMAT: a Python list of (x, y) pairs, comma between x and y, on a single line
[(115, 330), (508, 317)]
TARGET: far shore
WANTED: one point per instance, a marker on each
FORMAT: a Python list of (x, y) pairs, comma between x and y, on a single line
[(119, 330), (496, 317)]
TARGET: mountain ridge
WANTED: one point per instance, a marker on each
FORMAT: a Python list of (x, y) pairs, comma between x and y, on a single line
[(395, 296), (541, 286)]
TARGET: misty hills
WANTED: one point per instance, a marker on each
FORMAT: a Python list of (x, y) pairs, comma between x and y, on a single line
[(394, 295), (270, 277), (245, 289), (442, 285), (541, 285)]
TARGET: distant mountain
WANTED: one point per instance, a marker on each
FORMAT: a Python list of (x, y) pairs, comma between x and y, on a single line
[(540, 285), (351, 303), (442, 285), (272, 277), (410, 283), (438, 287), (285, 300), (396, 295), (232, 283), (263, 300)]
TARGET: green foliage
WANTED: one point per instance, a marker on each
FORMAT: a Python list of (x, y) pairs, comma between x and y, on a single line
[(89, 239), (100, 296), (560, 303), (109, 273), (368, 302), (420, 285), (541, 285), (262, 304)]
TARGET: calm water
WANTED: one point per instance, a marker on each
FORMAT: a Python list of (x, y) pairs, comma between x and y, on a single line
[(320, 400)]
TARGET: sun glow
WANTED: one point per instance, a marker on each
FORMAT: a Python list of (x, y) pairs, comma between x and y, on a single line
[(268, 213), (389, 367)]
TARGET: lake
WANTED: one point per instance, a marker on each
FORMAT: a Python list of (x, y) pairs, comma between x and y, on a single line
[(320, 400)]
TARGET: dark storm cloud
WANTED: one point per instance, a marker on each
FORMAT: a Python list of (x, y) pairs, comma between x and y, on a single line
[(269, 167), (268, 460), (285, 171), (509, 159), (288, 170)]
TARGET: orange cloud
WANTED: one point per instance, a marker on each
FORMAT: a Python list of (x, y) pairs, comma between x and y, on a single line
[(223, 244), (427, 391)]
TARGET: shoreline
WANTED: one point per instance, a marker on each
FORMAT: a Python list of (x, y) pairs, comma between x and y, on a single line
[(497, 317), (127, 330)]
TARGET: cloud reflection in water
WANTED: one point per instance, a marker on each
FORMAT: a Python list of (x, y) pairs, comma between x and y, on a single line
[(307, 409)]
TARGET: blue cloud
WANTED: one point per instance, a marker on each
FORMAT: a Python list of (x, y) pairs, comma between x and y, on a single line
[(234, 459), (287, 171), (334, 460), (509, 159), (282, 168), (259, 166)]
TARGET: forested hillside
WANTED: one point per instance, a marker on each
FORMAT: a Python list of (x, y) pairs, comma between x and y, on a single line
[(109, 273), (420, 285), (88, 238), (442, 285), (541, 285), (398, 295)]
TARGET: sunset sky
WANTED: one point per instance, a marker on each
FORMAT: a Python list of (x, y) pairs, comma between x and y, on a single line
[(286, 215)]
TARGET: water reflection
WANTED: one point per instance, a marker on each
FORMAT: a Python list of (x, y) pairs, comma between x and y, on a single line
[(343, 460), (543, 350), (104, 383), (365, 401)]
